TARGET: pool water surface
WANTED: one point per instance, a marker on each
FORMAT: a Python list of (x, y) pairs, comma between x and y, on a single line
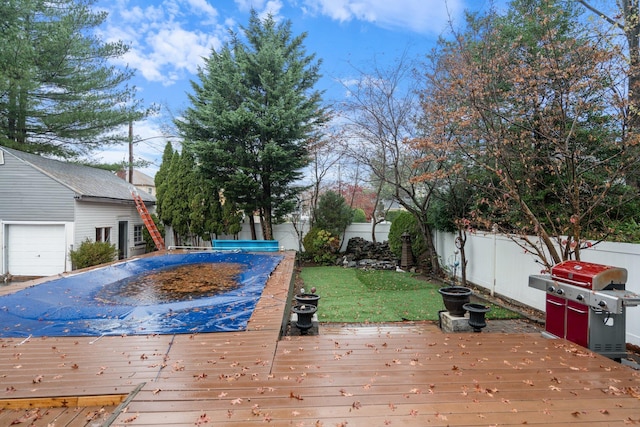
[(166, 294)]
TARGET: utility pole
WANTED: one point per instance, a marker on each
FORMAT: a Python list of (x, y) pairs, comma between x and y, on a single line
[(130, 152)]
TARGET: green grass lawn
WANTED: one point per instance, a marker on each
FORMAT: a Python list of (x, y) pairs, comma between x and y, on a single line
[(352, 295)]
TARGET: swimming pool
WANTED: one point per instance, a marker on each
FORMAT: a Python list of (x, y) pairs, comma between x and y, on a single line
[(73, 306)]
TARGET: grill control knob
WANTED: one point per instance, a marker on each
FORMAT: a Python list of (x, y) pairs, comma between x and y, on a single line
[(551, 289), (602, 304), (580, 297), (560, 291)]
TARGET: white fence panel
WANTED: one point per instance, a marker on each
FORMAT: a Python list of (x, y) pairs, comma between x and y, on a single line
[(287, 237), (502, 267)]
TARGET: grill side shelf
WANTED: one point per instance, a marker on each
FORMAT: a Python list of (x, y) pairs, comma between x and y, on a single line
[(629, 299), (540, 281)]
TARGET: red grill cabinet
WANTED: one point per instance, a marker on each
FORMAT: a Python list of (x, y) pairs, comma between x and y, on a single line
[(585, 304)]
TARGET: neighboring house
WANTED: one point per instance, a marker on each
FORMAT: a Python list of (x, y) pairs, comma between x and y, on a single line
[(49, 207), (144, 183)]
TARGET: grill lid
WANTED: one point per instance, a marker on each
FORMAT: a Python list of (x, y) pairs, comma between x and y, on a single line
[(589, 275)]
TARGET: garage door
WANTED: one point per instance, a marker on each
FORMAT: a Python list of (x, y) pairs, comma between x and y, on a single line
[(35, 250)]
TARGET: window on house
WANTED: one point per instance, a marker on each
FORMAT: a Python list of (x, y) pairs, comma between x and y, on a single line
[(137, 234), (103, 234)]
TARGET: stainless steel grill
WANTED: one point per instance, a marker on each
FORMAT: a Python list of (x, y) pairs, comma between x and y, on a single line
[(586, 304)]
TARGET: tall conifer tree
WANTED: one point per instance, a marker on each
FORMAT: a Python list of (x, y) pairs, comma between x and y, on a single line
[(252, 115), (58, 94)]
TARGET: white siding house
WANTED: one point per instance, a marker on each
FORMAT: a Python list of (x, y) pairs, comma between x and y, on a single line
[(49, 207)]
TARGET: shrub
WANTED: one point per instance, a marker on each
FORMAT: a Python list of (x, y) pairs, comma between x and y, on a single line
[(92, 253), (406, 222), (332, 213), (392, 215), (321, 246), (359, 215)]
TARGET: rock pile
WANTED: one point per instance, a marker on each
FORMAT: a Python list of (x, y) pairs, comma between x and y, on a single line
[(363, 253)]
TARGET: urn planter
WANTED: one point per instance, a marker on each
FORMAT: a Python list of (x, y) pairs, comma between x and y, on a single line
[(454, 298), (307, 299), (476, 315), (305, 314)]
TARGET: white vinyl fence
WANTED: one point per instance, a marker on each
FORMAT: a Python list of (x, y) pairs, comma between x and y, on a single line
[(288, 238), (502, 267)]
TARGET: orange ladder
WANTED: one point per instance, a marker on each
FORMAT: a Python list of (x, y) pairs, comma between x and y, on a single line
[(148, 221)]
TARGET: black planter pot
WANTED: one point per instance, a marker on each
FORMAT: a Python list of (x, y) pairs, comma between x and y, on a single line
[(454, 298), (308, 299), (476, 315), (305, 313)]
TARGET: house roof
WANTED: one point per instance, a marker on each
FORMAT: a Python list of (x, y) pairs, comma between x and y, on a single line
[(85, 181)]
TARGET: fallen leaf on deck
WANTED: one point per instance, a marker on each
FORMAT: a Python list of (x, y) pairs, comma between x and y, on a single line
[(131, 419), (29, 416), (202, 419)]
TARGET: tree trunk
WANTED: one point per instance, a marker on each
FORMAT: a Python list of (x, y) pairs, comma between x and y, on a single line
[(267, 228), (252, 227), (22, 117), (435, 268), (460, 244)]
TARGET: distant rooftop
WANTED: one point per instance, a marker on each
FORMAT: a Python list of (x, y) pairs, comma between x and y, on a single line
[(139, 178)]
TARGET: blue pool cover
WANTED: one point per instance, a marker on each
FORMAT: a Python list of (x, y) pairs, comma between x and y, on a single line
[(68, 306)]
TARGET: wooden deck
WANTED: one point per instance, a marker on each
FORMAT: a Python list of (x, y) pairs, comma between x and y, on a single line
[(346, 376)]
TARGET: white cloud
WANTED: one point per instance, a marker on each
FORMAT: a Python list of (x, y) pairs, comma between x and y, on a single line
[(203, 6), (247, 5), (168, 40), (273, 8), (263, 7), (423, 16)]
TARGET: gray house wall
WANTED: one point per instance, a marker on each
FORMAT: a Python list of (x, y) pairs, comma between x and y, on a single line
[(48, 208), (95, 214), (26, 194)]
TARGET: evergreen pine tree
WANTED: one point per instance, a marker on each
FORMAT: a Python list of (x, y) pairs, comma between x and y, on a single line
[(252, 114), (58, 94)]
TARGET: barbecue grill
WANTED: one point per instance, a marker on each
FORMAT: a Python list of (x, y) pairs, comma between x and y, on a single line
[(586, 305)]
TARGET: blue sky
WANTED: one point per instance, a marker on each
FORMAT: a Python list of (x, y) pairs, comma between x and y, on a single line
[(169, 38)]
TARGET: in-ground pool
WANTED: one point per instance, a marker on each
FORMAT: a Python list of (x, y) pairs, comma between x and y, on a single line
[(97, 302)]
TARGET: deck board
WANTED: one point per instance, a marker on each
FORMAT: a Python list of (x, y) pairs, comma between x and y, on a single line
[(399, 375)]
